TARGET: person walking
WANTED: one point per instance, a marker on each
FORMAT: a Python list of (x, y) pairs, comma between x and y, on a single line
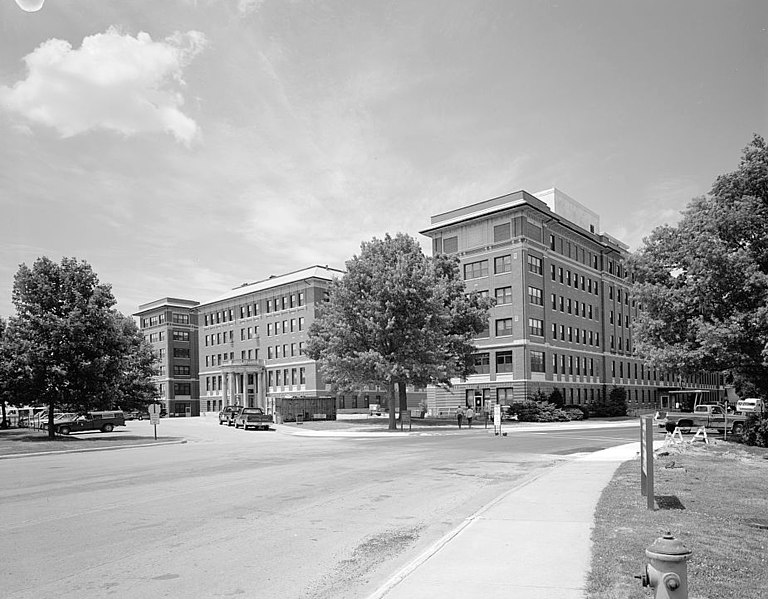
[(459, 414), (469, 415)]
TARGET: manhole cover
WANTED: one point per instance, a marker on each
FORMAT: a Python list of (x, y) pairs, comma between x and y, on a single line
[(760, 523)]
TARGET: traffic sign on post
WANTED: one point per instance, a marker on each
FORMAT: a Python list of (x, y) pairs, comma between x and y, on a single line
[(154, 415)]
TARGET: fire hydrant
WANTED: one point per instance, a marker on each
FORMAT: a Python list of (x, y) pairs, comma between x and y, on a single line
[(666, 570)]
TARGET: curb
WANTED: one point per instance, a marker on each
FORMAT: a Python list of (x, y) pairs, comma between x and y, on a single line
[(87, 449), (511, 429)]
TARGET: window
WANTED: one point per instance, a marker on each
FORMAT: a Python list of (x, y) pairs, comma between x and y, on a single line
[(450, 245), (503, 326), (552, 270), (501, 233), (181, 335), (475, 270), (537, 361), (482, 364), (504, 395), (535, 296), (302, 376), (535, 327), (552, 242), (301, 323), (503, 295), (180, 318), (179, 352), (301, 348), (182, 389), (301, 298), (181, 370), (504, 361), (502, 264), (269, 329), (534, 264)]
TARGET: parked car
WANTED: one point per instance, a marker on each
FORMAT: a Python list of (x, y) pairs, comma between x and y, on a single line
[(227, 415), (136, 415), (92, 421), (252, 418)]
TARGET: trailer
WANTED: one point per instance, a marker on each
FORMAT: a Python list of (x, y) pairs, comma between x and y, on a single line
[(303, 409)]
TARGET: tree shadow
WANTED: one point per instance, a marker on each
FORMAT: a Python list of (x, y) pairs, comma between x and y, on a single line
[(669, 502)]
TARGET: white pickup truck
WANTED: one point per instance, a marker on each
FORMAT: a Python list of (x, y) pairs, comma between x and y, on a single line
[(708, 416)]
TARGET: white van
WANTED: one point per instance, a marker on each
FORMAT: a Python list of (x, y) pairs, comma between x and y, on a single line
[(750, 405)]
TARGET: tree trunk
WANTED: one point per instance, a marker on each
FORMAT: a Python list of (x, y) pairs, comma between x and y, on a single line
[(4, 421), (51, 405), (392, 420), (402, 392)]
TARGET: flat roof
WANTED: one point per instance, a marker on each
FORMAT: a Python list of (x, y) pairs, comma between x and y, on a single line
[(313, 272), (171, 302)]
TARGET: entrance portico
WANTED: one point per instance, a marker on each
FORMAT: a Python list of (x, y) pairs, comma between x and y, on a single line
[(244, 384)]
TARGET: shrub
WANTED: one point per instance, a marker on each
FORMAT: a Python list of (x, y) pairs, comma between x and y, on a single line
[(556, 398), (756, 430), (577, 412), (538, 411)]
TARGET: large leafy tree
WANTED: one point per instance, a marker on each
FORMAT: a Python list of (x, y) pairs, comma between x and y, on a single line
[(397, 318), (67, 347), (703, 284)]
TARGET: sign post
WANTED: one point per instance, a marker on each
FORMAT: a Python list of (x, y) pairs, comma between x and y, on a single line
[(154, 415), (497, 419), (646, 460)]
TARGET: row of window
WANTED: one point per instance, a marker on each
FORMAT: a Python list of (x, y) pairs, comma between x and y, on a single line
[(286, 376), (503, 359), (575, 280), (575, 335), (271, 305), (153, 321), (282, 351), (501, 264), (286, 326), (573, 365), (571, 306)]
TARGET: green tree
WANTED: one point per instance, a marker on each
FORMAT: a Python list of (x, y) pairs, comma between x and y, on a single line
[(703, 284), (67, 346), (397, 318)]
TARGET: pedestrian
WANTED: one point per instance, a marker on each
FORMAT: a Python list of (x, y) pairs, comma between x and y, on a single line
[(469, 414), (459, 414)]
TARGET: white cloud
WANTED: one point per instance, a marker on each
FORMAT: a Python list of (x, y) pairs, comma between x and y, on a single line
[(661, 204), (113, 81)]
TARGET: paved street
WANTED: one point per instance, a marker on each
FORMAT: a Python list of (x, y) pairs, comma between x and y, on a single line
[(259, 514)]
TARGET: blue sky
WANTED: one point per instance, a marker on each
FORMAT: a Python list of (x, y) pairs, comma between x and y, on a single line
[(184, 147)]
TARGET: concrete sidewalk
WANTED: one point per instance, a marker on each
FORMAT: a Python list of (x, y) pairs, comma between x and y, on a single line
[(533, 542)]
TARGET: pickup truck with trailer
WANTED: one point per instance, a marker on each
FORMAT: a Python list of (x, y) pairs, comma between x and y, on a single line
[(708, 416)]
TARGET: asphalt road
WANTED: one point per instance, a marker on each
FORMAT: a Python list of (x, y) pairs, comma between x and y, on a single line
[(253, 513)]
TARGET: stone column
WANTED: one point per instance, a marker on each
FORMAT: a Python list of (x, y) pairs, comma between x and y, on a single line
[(261, 389), (224, 390)]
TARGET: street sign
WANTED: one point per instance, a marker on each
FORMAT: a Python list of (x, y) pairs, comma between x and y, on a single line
[(154, 415)]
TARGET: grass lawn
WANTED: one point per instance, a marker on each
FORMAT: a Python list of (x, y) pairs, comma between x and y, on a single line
[(714, 498)]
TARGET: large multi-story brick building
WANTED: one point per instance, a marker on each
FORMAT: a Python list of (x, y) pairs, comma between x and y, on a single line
[(170, 326), (247, 347), (563, 310)]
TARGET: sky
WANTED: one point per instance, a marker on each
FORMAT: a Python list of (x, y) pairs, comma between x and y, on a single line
[(184, 147)]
